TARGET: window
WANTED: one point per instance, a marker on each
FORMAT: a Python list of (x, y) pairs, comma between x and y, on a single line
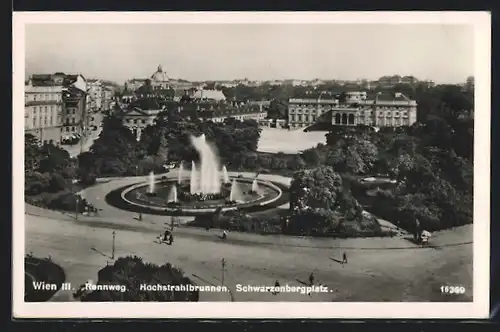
[(34, 97), (143, 121), (45, 120), (72, 128), (351, 119), (337, 118), (34, 121), (344, 118), (35, 109), (67, 129)]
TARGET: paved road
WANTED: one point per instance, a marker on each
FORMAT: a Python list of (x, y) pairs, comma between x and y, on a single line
[(389, 269)]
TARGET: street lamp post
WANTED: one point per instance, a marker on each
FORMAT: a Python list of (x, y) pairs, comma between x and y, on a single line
[(223, 263), (77, 200), (113, 246)]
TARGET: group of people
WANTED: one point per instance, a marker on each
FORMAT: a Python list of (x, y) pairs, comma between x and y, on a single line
[(90, 209), (168, 237)]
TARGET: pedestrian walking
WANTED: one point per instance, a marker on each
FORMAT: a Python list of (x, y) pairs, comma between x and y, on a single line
[(344, 258), (311, 279), (276, 287)]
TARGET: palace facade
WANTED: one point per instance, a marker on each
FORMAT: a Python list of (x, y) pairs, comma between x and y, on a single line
[(354, 109)]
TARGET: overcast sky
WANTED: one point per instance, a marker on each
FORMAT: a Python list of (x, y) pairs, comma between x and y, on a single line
[(443, 53)]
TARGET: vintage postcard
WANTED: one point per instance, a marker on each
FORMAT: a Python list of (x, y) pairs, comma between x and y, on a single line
[(251, 165)]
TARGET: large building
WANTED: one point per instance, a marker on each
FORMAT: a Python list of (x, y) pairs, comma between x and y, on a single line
[(75, 119), (95, 96), (43, 112), (160, 81), (353, 109), (304, 112), (108, 96), (382, 111), (139, 114), (54, 104)]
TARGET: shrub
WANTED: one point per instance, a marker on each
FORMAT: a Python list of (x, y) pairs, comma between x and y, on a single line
[(57, 183), (88, 179), (131, 272)]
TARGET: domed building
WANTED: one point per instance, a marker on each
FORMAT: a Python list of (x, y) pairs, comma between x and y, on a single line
[(159, 79)]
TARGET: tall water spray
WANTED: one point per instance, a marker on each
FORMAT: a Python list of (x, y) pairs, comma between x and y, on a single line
[(235, 194), (180, 175), (255, 186), (194, 179), (225, 175), (208, 180), (151, 181), (172, 195)]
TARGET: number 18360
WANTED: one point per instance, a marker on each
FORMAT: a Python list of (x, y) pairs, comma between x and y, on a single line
[(452, 290)]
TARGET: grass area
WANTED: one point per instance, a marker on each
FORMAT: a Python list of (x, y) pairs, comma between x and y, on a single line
[(274, 140)]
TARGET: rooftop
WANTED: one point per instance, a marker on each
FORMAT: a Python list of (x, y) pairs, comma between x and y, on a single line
[(312, 101), (209, 94), (146, 104)]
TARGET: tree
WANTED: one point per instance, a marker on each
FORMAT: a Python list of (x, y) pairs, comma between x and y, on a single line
[(32, 155), (311, 157), (316, 189), (115, 151)]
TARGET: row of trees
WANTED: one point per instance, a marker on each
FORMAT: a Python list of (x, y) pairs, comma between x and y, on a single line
[(117, 152), (432, 162), (52, 177)]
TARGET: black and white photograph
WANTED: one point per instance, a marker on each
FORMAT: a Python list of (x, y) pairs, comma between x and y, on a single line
[(299, 164)]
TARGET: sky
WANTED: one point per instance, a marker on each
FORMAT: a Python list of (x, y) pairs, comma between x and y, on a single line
[(199, 52)]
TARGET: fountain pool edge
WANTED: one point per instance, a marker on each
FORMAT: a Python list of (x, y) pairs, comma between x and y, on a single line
[(200, 210)]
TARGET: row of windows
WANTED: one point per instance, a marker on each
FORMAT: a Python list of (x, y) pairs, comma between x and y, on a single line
[(42, 121), (312, 111), (43, 97), (136, 121), (69, 129), (381, 113), (45, 109), (305, 109), (299, 118), (345, 119)]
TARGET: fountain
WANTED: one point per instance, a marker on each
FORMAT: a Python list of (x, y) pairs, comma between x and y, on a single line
[(172, 196), (225, 175), (193, 181), (235, 194), (207, 188), (255, 186), (151, 182), (181, 173), (208, 180)]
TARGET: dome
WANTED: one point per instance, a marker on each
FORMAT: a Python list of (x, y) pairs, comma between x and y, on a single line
[(159, 75)]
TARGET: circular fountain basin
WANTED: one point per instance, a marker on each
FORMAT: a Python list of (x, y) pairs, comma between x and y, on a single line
[(137, 198)]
